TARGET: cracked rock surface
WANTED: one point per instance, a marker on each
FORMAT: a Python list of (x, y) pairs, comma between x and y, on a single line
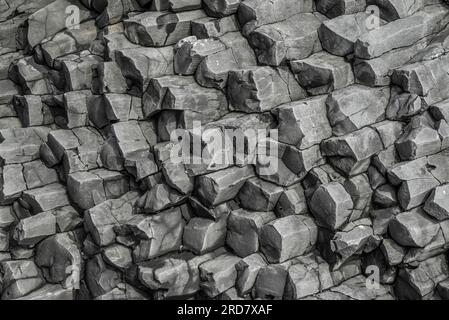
[(93, 204)]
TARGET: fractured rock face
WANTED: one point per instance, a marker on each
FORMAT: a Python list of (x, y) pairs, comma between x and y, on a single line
[(429, 20), (215, 188), (224, 149), (258, 89), (284, 41), (244, 228), (322, 73), (288, 237), (355, 107), (413, 228), (331, 205), (437, 203), (160, 29)]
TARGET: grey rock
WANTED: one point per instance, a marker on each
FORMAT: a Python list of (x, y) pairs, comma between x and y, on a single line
[(355, 107), (259, 195), (203, 235), (337, 8), (291, 201), (210, 27), (30, 231), (259, 89), (413, 228), (244, 228), (283, 41), (322, 73), (331, 205), (247, 271), (437, 203), (219, 274), (215, 188), (160, 28), (288, 237), (428, 21)]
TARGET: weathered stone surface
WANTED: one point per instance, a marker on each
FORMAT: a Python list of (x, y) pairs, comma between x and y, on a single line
[(335, 162), (158, 198), (303, 123), (69, 41), (414, 192), (259, 195), (243, 230), (419, 139), (361, 194), (203, 235), (101, 219), (393, 252), (291, 201), (310, 274), (385, 196), (46, 198), (48, 21), (288, 237), (335, 8), (158, 234), (12, 183), (7, 217), (260, 89), (21, 144), (285, 40), (77, 70), (108, 78), (419, 283), (209, 27), (219, 274), (430, 20), (218, 187), (247, 271), (270, 282), (139, 65), (160, 29), (377, 71), (87, 189), (351, 153), (213, 70), (391, 10), (413, 228), (352, 239), (355, 107), (183, 93), (31, 111), (322, 73), (331, 205), (190, 51), (221, 8), (118, 256), (20, 278), (184, 5), (355, 289), (437, 203), (424, 79), (31, 76), (60, 259), (339, 35), (100, 278), (31, 230), (253, 13)]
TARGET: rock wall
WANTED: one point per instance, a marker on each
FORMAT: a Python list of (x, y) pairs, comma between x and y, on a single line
[(353, 96)]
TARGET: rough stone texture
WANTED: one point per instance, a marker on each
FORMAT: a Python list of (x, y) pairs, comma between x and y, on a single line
[(224, 149)]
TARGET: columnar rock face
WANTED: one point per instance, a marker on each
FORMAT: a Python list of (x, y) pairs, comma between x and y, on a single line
[(224, 149)]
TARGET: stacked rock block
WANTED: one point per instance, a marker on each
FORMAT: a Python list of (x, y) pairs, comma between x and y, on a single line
[(94, 207)]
